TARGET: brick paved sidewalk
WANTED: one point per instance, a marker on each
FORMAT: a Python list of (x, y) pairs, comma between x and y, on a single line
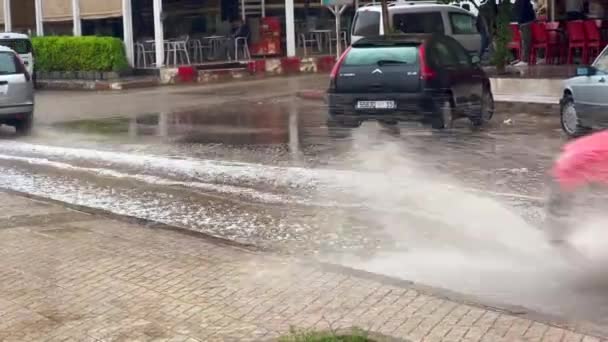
[(66, 275)]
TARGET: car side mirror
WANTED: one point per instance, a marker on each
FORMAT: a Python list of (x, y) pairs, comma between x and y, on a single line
[(475, 60), (586, 71)]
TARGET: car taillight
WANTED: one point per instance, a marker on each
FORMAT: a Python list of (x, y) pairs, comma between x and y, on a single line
[(426, 72), (24, 71), (336, 69)]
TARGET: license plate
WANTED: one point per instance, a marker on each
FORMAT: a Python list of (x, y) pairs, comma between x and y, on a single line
[(376, 105)]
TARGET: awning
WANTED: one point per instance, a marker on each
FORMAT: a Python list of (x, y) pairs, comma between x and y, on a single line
[(97, 9), (57, 10), (61, 10)]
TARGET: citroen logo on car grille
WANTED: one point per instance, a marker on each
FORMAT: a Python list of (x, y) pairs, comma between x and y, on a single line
[(377, 71)]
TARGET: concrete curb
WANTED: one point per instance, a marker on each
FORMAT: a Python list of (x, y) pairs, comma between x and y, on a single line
[(586, 328), (80, 85), (538, 108), (142, 222)]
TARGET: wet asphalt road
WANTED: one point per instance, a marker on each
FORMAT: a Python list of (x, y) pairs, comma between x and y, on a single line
[(458, 209)]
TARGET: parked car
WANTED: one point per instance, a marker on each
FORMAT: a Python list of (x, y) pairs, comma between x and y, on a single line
[(584, 103), (419, 17), (409, 77), (21, 44), (16, 92)]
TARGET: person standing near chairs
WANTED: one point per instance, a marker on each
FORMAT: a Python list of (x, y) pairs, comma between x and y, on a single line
[(575, 10), (525, 16), (239, 31)]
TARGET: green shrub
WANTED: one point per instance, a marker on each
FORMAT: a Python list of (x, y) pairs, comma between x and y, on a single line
[(79, 54)]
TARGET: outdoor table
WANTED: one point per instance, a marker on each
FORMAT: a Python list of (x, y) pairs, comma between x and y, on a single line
[(322, 36), (215, 44)]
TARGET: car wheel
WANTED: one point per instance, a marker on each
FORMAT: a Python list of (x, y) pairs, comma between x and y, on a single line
[(570, 120), (24, 126), (444, 118), (486, 111)]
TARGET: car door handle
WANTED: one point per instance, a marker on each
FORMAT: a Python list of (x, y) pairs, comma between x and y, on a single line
[(602, 80), (3, 82)]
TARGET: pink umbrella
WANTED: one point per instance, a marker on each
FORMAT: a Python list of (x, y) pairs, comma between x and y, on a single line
[(583, 161)]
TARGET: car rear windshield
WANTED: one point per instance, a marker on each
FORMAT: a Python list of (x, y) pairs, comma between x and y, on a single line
[(367, 24), (20, 46), (9, 64), (429, 22), (374, 55)]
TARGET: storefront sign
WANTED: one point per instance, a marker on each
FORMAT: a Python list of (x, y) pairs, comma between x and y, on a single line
[(336, 2)]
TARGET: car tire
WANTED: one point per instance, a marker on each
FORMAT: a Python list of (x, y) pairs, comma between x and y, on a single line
[(486, 111), (24, 126), (444, 115), (570, 120)]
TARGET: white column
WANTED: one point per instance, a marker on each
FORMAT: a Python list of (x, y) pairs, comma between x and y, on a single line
[(76, 18), (8, 20), (127, 27), (290, 30), (39, 20), (159, 34)]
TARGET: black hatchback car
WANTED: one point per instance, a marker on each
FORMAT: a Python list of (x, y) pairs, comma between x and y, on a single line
[(431, 78)]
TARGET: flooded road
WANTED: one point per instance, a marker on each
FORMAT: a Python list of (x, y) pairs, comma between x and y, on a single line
[(458, 209)]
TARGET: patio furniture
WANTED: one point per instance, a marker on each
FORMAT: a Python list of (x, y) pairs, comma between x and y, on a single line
[(145, 53), (576, 40), (214, 45), (304, 39), (343, 37), (241, 45), (515, 43), (140, 56), (557, 42), (594, 39), (177, 51), (540, 41), (323, 37), (195, 50)]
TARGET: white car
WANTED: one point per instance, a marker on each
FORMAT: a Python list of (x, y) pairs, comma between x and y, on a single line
[(584, 103), (419, 17), (22, 45), (16, 92)]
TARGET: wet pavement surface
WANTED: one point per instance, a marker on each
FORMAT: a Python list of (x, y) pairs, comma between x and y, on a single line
[(458, 209)]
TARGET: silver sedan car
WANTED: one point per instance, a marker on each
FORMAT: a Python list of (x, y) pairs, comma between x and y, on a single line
[(16, 92), (584, 104)]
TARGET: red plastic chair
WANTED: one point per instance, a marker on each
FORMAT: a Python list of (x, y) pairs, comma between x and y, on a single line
[(557, 42), (540, 41), (515, 43), (576, 40), (594, 40)]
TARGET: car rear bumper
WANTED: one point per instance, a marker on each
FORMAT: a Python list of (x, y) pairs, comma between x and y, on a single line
[(15, 111), (414, 106)]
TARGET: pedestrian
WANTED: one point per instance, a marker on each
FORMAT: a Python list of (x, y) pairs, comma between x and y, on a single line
[(483, 30), (596, 9), (575, 10), (525, 16), (541, 9), (239, 30)]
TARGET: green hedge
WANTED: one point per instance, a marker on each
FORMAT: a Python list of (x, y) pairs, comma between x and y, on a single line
[(79, 54)]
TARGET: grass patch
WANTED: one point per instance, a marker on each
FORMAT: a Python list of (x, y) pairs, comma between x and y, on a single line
[(355, 335), (106, 127)]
